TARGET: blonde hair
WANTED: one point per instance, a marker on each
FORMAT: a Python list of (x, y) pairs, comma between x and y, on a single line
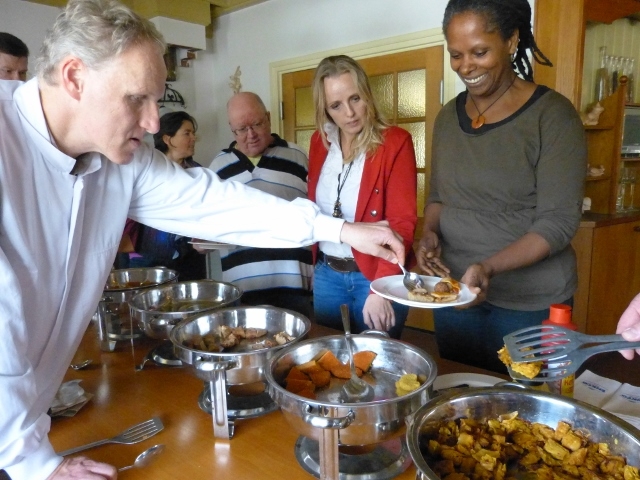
[(370, 138), (96, 31)]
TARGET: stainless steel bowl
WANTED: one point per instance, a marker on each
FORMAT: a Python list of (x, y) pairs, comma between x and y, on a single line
[(114, 320), (246, 365), (364, 423), (531, 405), (240, 365), (138, 278), (158, 310)]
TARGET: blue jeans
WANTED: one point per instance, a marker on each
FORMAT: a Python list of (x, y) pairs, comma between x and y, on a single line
[(332, 289), (474, 335)]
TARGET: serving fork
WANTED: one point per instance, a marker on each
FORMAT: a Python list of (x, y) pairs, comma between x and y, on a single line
[(562, 350), (132, 435)]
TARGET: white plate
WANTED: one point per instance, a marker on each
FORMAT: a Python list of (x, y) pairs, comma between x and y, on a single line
[(451, 380), (392, 288), (213, 245)]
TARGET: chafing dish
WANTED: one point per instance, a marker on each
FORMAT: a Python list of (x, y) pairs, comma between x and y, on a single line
[(158, 310), (531, 405), (354, 424), (241, 365), (114, 321)]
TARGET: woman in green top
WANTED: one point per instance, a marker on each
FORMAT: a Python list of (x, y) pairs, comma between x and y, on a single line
[(509, 160)]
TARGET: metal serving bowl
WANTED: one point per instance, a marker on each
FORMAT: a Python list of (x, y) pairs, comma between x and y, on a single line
[(363, 423), (531, 405), (240, 365), (114, 320), (158, 310), (138, 278)]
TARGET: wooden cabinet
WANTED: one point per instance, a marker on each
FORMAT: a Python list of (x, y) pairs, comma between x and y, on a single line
[(608, 272), (604, 143), (560, 31)]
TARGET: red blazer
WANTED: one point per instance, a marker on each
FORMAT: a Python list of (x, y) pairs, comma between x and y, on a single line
[(387, 192)]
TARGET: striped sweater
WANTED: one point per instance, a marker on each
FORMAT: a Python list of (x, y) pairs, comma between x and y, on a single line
[(281, 171)]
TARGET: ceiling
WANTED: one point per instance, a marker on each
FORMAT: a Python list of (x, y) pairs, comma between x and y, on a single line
[(200, 12)]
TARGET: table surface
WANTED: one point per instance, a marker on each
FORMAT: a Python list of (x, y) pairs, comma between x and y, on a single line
[(262, 447)]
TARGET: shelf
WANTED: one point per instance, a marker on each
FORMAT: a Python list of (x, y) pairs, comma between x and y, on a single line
[(598, 127), (630, 159), (597, 179)]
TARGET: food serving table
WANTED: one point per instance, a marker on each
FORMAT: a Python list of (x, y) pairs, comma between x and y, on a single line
[(261, 448)]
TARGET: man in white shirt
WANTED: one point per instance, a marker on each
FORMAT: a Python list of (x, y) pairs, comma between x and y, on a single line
[(73, 167), (14, 57)]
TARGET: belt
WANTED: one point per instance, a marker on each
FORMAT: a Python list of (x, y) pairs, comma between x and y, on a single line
[(342, 265)]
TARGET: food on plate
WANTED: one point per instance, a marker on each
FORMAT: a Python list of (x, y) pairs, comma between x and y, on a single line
[(225, 337), (407, 384), (445, 291), (320, 372), (528, 369), (509, 447), (421, 295)]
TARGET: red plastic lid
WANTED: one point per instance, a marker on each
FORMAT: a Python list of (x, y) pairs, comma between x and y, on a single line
[(560, 314)]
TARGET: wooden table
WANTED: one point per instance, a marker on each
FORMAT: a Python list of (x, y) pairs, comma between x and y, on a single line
[(262, 447)]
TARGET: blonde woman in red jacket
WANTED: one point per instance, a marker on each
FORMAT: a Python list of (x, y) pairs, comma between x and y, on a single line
[(360, 169)]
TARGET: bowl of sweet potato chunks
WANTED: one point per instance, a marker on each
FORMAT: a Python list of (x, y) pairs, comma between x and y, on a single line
[(306, 379)]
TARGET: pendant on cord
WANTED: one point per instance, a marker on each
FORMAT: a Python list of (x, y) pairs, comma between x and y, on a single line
[(337, 211), (477, 122)]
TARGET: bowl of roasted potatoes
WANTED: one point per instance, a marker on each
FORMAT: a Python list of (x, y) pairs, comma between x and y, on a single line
[(504, 433)]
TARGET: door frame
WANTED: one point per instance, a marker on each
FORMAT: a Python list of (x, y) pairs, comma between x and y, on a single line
[(397, 44)]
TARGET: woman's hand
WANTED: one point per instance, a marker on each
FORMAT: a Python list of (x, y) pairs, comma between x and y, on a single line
[(83, 468), (629, 326), (477, 279), (428, 255), (378, 313)]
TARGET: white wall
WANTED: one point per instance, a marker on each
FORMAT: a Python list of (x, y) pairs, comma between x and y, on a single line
[(280, 29), (27, 21), (253, 38)]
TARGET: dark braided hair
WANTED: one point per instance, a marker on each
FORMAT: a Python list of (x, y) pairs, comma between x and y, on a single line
[(505, 16)]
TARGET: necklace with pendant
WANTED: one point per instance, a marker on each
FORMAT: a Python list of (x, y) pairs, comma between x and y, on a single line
[(337, 210), (480, 120)]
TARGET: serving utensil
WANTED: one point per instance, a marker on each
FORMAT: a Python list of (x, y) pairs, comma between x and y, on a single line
[(355, 389), (411, 280), (562, 349), (145, 457), (132, 435)]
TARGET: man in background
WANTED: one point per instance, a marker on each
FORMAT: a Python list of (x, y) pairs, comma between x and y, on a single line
[(262, 160), (14, 56)]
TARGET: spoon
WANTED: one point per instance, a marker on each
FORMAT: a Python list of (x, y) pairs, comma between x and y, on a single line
[(355, 389), (411, 280), (81, 365), (145, 457)]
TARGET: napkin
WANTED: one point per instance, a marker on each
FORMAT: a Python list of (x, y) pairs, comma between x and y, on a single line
[(621, 399), (70, 398)]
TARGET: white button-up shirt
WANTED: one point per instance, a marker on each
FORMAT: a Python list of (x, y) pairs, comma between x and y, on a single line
[(59, 234), (327, 189)]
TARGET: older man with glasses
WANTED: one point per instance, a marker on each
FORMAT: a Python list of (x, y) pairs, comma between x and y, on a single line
[(263, 160)]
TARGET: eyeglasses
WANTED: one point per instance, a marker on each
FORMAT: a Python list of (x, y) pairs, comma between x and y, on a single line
[(242, 131)]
